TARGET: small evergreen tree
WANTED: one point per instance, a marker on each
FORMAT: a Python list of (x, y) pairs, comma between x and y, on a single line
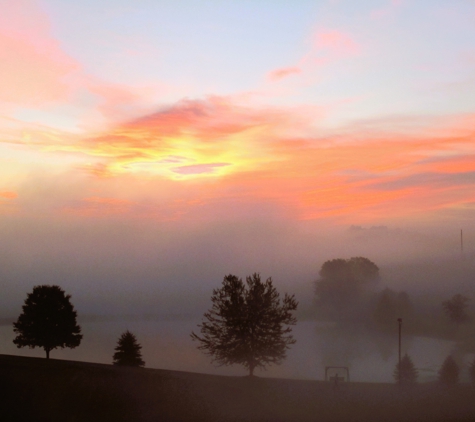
[(449, 372), (128, 351), (407, 372), (48, 320)]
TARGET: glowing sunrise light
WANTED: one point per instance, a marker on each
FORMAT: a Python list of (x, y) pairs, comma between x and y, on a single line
[(337, 121)]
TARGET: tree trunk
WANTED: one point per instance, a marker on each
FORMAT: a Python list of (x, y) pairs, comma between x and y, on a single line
[(47, 353), (251, 370)]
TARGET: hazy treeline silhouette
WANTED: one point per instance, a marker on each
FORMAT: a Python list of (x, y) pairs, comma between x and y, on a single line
[(359, 310), (250, 325)]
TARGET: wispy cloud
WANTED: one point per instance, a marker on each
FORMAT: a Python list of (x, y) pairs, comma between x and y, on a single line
[(336, 43), (201, 158), (278, 74), (34, 67), (327, 46), (38, 73), (193, 137)]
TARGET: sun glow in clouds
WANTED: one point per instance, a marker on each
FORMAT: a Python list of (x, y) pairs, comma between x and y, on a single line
[(299, 130)]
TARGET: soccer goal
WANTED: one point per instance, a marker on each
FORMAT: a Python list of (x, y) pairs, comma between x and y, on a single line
[(337, 374)]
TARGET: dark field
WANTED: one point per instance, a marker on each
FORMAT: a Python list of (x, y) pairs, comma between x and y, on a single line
[(34, 389)]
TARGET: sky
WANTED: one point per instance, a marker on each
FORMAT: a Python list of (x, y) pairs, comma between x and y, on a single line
[(148, 148)]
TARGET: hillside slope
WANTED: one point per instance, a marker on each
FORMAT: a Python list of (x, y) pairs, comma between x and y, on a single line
[(35, 389)]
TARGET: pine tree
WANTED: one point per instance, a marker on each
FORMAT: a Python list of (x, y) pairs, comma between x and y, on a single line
[(407, 372), (449, 372), (128, 351), (48, 320), (246, 324)]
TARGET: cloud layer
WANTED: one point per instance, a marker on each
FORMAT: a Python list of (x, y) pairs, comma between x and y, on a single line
[(202, 157)]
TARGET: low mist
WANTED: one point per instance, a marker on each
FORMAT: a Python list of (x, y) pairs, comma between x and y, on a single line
[(137, 274)]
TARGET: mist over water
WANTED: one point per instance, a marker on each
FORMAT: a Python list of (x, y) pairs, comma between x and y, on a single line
[(156, 280), (167, 345)]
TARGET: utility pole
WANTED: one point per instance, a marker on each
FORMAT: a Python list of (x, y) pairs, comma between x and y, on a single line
[(399, 320)]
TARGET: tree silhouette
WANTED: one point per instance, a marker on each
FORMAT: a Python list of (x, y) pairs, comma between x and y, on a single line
[(455, 308), (391, 305), (342, 281), (449, 372), (48, 320), (407, 372), (246, 324), (128, 351)]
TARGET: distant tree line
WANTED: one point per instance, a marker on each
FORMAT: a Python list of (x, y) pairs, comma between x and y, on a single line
[(249, 324), (349, 288), (348, 291)]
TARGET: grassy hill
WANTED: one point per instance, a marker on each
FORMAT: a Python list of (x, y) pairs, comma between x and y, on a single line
[(34, 389)]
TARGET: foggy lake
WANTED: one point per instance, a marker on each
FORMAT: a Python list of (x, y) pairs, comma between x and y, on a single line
[(167, 345)]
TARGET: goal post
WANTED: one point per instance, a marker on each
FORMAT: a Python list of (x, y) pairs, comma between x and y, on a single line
[(336, 371)]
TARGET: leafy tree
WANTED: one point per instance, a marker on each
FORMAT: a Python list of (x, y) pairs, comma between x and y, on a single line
[(407, 372), (48, 320), (128, 351), (342, 281), (247, 324), (455, 308), (449, 372)]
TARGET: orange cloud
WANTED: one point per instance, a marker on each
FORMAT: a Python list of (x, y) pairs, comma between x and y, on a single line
[(210, 158), (8, 194), (98, 206), (213, 136)]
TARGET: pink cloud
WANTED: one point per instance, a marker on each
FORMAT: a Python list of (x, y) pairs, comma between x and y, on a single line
[(34, 67), (327, 46), (336, 43), (171, 165), (35, 70), (281, 73)]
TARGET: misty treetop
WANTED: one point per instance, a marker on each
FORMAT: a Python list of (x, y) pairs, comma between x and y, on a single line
[(248, 324), (455, 308), (342, 282), (48, 320), (357, 269), (391, 305)]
